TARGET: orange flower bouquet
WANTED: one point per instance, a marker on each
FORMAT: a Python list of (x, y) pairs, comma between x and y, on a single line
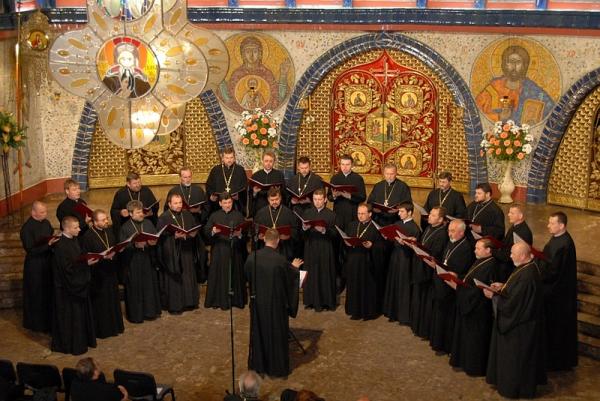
[(258, 129), (12, 136), (507, 142)]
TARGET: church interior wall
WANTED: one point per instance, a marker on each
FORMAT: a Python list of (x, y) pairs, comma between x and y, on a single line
[(53, 114)]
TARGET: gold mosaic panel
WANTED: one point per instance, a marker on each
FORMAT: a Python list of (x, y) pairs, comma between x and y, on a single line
[(314, 138), (569, 180), (192, 144)]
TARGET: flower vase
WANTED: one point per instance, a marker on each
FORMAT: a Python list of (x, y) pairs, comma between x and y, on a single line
[(507, 186)]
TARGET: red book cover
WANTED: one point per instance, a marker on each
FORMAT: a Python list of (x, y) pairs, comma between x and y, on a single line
[(341, 188)]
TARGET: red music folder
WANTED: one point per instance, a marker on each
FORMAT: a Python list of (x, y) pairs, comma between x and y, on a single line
[(173, 228), (253, 183), (226, 230), (340, 188), (83, 210), (283, 230), (350, 241), (384, 208), (446, 276), (312, 223), (149, 208)]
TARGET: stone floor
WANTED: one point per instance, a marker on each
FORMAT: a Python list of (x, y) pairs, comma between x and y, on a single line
[(345, 358)]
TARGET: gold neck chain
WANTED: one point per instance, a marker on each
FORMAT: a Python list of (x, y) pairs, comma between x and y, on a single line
[(182, 225), (131, 197), (274, 221), (476, 267), (386, 197), (188, 196), (227, 180), (103, 240), (301, 188), (442, 200), (478, 211), (514, 274), (429, 233), (449, 253), (360, 235)]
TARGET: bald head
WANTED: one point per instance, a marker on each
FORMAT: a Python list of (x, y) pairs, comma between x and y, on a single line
[(39, 211), (520, 253)]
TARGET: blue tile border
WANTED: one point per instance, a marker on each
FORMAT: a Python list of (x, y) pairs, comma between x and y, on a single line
[(350, 48), (539, 18), (555, 128), (217, 119)]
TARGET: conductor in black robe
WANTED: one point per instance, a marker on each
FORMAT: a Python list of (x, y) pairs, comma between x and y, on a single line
[(516, 217), (389, 192), (474, 315), (37, 240), (485, 215), (397, 298), (73, 323), (516, 361), (105, 284), (433, 239), (133, 190), (559, 276), (446, 196), (457, 258), (302, 185), (359, 268), (273, 299), (228, 254), (142, 296), (67, 206), (228, 177), (319, 256), (177, 258), (269, 176), (274, 215)]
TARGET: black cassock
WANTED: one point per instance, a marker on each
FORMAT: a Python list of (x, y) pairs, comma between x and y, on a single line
[(395, 193), (397, 298), (503, 254), (434, 239), (222, 250), (282, 216), (67, 208), (559, 276), (177, 258), (73, 322), (474, 317), (234, 177), (489, 216), (105, 284), (276, 299), (303, 185), (320, 262), (259, 199), (516, 361), (142, 296), (458, 257), (37, 275), (192, 195), (345, 209), (361, 273), (122, 197), (451, 200)]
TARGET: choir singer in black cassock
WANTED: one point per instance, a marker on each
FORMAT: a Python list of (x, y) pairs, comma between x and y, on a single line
[(73, 322), (473, 326), (447, 197), (105, 284), (434, 239), (457, 258), (266, 175), (274, 284), (228, 177), (345, 204), (36, 237), (516, 217), (133, 190), (397, 298), (486, 215), (516, 361), (177, 257), (359, 269), (559, 277), (274, 215), (142, 296), (227, 256), (304, 183), (67, 206), (319, 256)]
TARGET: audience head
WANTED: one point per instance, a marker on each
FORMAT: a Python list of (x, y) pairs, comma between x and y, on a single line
[(483, 248), (268, 160), (185, 175), (346, 162), (516, 213), (483, 192), (228, 157), (557, 223), (436, 216), (319, 198), (72, 189), (363, 212), (405, 210), (134, 181), (444, 180), (274, 197), (175, 202), (307, 395), (272, 238), (87, 369), (70, 226), (520, 253), (303, 165), (389, 172), (39, 211), (456, 230), (136, 210), (226, 202), (100, 218), (249, 384)]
